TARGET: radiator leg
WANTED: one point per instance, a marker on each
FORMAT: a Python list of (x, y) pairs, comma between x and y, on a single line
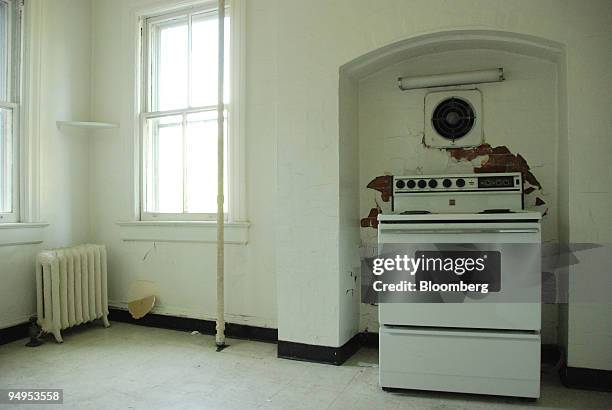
[(105, 321), (58, 336)]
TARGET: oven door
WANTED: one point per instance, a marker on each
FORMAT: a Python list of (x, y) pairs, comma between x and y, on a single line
[(495, 310)]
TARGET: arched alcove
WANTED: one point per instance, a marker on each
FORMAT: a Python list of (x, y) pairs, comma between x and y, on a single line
[(527, 114)]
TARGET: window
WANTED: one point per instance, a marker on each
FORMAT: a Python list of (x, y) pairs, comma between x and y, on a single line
[(10, 59), (179, 115)]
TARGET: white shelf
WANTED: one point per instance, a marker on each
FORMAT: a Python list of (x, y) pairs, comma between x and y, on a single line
[(86, 124)]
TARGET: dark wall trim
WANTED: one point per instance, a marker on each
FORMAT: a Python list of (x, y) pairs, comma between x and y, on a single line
[(368, 339), (318, 354), (207, 327), (10, 334), (550, 354), (572, 377), (588, 379)]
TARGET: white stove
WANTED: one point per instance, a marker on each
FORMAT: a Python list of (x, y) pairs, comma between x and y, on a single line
[(488, 343)]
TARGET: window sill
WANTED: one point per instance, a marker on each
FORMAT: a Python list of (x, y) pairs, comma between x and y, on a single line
[(22, 233), (182, 231)]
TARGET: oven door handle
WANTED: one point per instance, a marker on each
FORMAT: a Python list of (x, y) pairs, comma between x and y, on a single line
[(460, 231), (408, 330)]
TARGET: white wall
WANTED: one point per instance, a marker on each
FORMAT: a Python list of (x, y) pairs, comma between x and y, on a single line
[(185, 273), (520, 113), (350, 270), (316, 37), (291, 273), (295, 49), (64, 167)]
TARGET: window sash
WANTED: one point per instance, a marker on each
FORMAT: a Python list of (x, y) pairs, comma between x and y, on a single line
[(150, 40), (151, 28), (9, 162), (149, 180)]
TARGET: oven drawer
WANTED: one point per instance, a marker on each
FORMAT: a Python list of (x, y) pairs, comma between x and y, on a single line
[(481, 362), (485, 315)]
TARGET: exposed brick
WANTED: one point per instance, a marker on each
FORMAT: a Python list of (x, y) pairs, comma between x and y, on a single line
[(500, 159), (371, 220), (383, 184)]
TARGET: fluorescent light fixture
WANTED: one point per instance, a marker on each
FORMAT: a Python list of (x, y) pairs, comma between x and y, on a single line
[(441, 80)]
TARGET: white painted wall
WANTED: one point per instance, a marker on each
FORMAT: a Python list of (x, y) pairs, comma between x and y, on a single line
[(64, 167), (520, 113), (291, 273), (185, 273), (350, 269), (316, 37)]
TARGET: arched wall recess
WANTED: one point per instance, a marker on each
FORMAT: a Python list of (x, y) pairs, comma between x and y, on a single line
[(360, 68)]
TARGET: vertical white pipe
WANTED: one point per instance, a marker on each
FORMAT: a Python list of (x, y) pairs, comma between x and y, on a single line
[(220, 336)]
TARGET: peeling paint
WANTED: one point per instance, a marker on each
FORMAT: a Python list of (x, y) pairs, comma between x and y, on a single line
[(482, 159), (500, 159), (383, 184), (372, 219)]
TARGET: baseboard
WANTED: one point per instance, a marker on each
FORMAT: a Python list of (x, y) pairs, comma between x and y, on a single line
[(318, 354), (13, 333), (587, 379), (233, 330), (550, 354), (573, 377), (368, 339)]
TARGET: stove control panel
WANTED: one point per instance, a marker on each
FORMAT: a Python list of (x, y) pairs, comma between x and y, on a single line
[(415, 184)]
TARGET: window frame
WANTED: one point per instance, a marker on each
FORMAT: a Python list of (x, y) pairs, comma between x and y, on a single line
[(14, 75), (234, 157)]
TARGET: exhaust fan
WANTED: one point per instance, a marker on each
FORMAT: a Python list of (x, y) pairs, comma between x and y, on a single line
[(453, 119)]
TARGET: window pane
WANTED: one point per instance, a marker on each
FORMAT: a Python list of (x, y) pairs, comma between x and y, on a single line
[(6, 160), (201, 161), (164, 165), (180, 150), (170, 80), (204, 60), (4, 50)]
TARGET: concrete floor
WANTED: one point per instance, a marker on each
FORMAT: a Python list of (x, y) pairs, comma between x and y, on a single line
[(127, 366)]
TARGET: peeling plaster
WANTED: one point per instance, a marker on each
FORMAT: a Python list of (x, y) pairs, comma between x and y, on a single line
[(482, 159), (371, 221), (500, 159), (383, 184)]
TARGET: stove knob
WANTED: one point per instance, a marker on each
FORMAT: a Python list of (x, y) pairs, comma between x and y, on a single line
[(447, 183), (410, 184), (400, 184), (422, 183), (433, 183), (460, 182)]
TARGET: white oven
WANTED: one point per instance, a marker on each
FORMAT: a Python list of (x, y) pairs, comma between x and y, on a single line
[(489, 343)]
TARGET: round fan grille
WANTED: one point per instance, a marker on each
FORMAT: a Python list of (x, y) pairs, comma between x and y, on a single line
[(453, 118)]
